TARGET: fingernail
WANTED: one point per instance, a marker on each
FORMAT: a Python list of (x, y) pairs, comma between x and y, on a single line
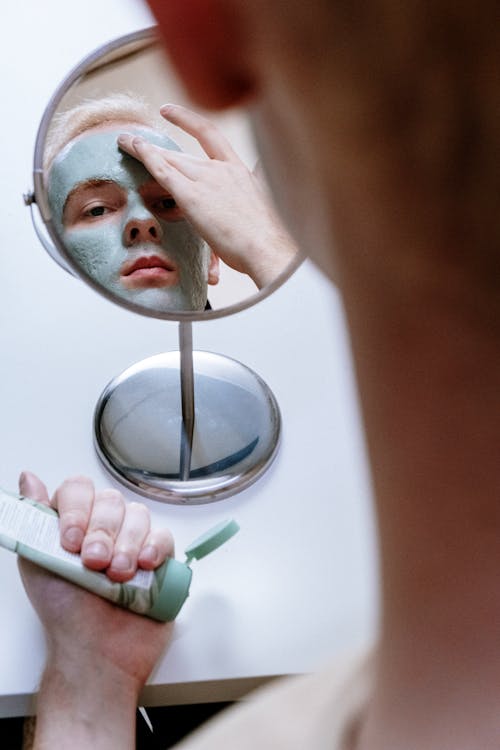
[(96, 551), (73, 537), (122, 139), (149, 554), (165, 109), (121, 561)]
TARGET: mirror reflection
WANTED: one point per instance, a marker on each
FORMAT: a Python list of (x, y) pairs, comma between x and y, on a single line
[(117, 222), (152, 204), (160, 210)]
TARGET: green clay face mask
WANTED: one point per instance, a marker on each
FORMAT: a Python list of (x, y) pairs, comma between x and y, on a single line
[(122, 228)]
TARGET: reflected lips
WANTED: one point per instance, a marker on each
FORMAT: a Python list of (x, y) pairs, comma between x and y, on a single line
[(149, 271)]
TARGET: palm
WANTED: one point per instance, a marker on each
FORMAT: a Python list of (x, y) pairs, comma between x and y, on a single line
[(76, 619)]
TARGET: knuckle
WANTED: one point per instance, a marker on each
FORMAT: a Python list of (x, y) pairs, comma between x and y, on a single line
[(100, 534), (112, 497), (74, 517), (206, 128), (164, 539), (162, 170), (138, 142), (125, 549), (138, 509), (78, 479)]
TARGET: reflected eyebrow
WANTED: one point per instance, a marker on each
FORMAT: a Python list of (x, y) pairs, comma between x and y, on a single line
[(152, 187), (149, 184), (83, 186)]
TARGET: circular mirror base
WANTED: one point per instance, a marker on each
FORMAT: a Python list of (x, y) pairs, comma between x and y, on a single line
[(138, 428)]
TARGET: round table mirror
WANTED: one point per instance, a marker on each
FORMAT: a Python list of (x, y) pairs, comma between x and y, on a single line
[(173, 222)]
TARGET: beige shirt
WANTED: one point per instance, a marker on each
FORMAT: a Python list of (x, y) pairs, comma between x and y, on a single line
[(313, 712)]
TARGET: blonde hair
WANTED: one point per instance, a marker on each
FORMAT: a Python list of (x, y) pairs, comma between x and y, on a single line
[(91, 113)]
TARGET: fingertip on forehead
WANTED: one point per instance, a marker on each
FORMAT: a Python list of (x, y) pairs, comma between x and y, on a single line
[(117, 128), (106, 136), (97, 149), (157, 138)]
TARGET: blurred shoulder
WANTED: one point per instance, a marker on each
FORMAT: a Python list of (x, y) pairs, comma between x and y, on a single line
[(312, 711)]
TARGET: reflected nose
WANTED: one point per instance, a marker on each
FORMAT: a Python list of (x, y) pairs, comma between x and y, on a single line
[(142, 230)]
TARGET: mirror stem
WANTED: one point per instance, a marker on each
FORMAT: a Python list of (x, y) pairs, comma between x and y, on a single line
[(187, 397)]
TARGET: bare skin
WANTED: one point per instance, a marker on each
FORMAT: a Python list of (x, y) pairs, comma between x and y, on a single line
[(93, 676), (422, 311)]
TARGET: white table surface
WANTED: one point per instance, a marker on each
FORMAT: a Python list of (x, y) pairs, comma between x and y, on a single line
[(298, 583)]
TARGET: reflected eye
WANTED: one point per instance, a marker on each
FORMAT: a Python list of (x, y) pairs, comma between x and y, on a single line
[(165, 208), (167, 203), (160, 202), (96, 211), (93, 201)]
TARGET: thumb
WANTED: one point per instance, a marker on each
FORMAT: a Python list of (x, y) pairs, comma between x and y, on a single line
[(33, 488)]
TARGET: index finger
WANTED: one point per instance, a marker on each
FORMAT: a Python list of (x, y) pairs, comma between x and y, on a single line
[(73, 500), (215, 145)]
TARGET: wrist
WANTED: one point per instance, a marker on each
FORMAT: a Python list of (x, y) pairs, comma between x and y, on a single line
[(270, 258), (87, 705), (83, 671)]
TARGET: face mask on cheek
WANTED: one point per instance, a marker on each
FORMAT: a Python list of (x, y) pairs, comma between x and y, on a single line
[(191, 256), (99, 252)]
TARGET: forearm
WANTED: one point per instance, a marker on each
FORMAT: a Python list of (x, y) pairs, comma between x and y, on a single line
[(95, 709)]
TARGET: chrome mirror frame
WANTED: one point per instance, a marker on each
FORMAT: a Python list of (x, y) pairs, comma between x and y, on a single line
[(55, 247)]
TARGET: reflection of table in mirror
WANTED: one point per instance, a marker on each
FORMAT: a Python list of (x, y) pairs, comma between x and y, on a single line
[(296, 585)]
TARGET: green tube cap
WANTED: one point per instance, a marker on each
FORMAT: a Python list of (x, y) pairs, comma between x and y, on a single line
[(173, 581), (211, 540), (174, 577)]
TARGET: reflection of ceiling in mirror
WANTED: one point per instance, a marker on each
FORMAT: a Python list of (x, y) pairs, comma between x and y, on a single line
[(142, 69)]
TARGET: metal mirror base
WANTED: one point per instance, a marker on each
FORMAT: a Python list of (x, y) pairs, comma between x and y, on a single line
[(138, 428)]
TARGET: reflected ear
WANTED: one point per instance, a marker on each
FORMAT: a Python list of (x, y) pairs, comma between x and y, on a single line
[(213, 269), (204, 40)]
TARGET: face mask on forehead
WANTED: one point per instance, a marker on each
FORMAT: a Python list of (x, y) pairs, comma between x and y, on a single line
[(116, 227)]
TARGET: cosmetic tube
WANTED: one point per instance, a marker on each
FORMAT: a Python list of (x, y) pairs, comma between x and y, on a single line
[(32, 531)]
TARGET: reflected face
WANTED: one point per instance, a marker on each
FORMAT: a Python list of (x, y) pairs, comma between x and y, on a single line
[(122, 228)]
